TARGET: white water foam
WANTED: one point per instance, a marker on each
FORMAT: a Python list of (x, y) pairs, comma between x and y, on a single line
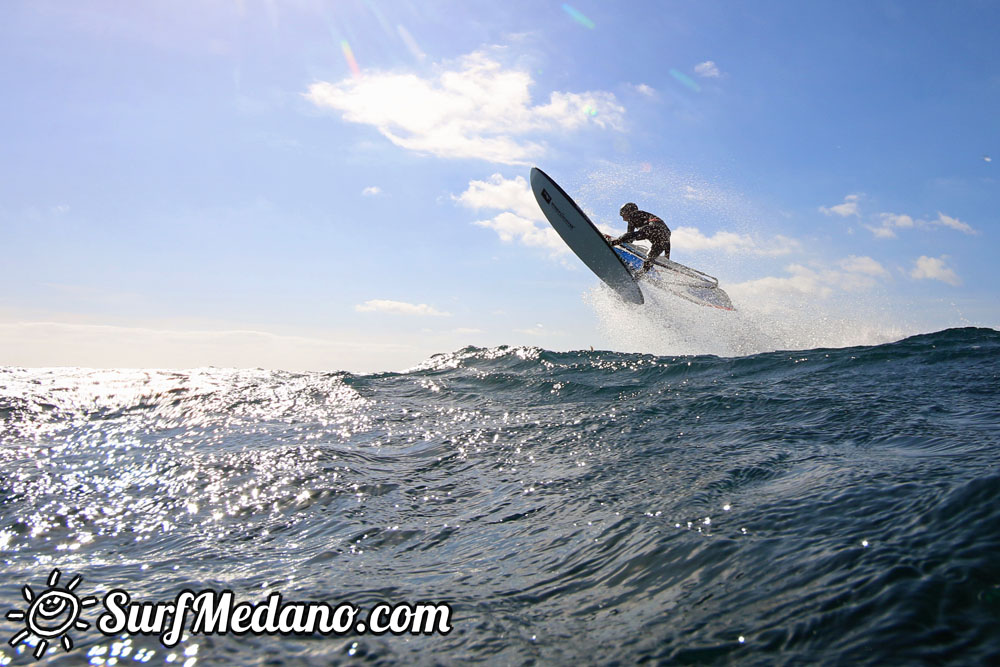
[(668, 325)]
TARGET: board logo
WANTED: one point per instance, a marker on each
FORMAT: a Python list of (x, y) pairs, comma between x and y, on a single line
[(548, 200)]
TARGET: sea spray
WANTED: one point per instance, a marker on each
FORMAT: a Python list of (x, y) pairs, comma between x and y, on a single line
[(666, 324)]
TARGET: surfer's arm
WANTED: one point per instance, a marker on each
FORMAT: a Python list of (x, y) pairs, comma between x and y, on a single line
[(627, 236)]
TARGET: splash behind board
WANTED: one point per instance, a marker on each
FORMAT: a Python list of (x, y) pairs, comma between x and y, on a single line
[(683, 281)]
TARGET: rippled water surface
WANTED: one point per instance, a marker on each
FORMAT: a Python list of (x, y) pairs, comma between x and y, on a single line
[(833, 505)]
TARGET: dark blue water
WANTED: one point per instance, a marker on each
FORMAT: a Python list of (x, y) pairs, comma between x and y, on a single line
[(835, 506)]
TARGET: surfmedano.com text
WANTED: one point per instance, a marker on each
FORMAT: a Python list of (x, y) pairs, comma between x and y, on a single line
[(218, 612)]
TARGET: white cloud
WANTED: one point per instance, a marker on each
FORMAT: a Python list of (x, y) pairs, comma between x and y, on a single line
[(510, 227), (691, 238), (646, 90), (371, 191), (498, 193), (782, 245), (890, 222), (477, 109), (954, 223), (934, 268), (857, 273), (707, 69), (521, 219), (850, 274), (398, 308), (846, 209), (896, 220), (802, 281), (864, 265), (693, 194)]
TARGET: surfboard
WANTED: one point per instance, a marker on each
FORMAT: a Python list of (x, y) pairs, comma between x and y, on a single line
[(683, 281), (582, 237)]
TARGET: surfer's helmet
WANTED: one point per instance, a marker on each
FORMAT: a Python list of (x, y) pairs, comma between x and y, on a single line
[(628, 209)]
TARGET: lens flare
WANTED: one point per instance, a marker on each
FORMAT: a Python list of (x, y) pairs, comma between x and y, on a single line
[(410, 43), (578, 17), (349, 57), (686, 80)]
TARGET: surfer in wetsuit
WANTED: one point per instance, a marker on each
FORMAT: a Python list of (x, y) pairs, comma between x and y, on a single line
[(643, 226)]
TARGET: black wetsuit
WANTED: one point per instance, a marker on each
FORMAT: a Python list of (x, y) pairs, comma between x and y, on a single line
[(643, 226)]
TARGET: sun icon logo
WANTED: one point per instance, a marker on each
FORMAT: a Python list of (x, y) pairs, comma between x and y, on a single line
[(51, 615)]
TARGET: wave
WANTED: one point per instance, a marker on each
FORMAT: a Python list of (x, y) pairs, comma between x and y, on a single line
[(835, 503)]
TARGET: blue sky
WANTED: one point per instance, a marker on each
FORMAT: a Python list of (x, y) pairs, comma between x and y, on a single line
[(343, 185)]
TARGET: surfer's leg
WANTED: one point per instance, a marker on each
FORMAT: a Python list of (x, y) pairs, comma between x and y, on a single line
[(654, 251), (659, 238), (657, 248)]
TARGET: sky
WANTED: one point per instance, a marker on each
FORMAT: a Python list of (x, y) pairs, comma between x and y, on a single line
[(308, 185)]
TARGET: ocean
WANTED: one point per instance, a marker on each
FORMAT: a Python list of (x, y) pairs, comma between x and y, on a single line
[(821, 506)]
